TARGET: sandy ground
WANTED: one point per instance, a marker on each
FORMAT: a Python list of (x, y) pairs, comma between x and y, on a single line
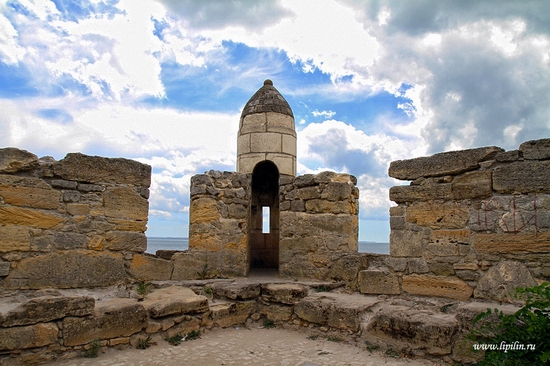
[(242, 346)]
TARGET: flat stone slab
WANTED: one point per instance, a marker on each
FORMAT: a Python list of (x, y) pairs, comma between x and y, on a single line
[(228, 314), (284, 293), (439, 286), (535, 149), (418, 329), (437, 165), (237, 290), (112, 319), (174, 300), (336, 310), (31, 336), (44, 309)]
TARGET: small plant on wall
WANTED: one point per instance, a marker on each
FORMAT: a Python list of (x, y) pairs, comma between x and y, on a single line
[(522, 338)]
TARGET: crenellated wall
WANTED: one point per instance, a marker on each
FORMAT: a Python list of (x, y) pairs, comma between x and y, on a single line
[(472, 224), (71, 223), (476, 221), (318, 225)]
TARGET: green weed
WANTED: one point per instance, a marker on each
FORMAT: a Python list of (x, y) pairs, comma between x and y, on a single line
[(525, 332), (93, 351), (145, 343), (175, 339)]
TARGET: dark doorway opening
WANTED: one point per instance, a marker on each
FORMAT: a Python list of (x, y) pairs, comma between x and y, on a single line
[(264, 239)]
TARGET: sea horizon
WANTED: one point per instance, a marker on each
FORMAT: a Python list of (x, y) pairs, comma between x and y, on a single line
[(155, 243)]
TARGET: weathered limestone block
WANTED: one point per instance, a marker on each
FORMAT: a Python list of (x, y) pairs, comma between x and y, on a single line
[(447, 163), (125, 203), (284, 293), (146, 267), (47, 308), (126, 240), (408, 243), (4, 268), (314, 309), (15, 238), (345, 268), (445, 215), (340, 311), (306, 193), (69, 269), (183, 328), (112, 319), (446, 243), (275, 312), (472, 185), (305, 180), (28, 192), (401, 194), (415, 329), (266, 141), (418, 265), (536, 149), (203, 210), (11, 215), (512, 242), (336, 191), (228, 314), (397, 264), (375, 281), (323, 206), (522, 177), (189, 265), (329, 176), (95, 169), (128, 225), (439, 286), (508, 156), (32, 336), (174, 300), (13, 160), (500, 282), (237, 291), (70, 240), (78, 209)]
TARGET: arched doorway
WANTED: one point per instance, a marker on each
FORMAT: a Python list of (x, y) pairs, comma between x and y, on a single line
[(264, 237)]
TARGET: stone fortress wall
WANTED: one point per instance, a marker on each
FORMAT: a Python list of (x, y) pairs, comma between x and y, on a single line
[(470, 218), (71, 223), (318, 217), (472, 225)]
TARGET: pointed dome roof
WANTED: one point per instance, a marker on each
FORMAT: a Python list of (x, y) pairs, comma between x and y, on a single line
[(267, 99)]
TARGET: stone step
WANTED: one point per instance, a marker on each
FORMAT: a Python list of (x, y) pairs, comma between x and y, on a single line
[(410, 328), (336, 310)]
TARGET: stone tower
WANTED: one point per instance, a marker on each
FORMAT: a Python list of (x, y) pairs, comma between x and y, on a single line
[(266, 148), (267, 132)]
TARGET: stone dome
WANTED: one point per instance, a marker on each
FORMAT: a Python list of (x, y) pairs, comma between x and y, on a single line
[(267, 99)]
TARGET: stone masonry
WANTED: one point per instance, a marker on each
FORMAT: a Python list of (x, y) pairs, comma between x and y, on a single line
[(76, 222), (471, 227), (318, 225), (467, 213)]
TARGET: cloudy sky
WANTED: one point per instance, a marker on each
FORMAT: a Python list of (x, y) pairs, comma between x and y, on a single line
[(164, 82)]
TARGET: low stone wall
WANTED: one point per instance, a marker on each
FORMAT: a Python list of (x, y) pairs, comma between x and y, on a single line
[(37, 327), (71, 223)]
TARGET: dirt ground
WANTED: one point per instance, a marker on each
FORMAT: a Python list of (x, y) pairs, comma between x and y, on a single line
[(243, 346)]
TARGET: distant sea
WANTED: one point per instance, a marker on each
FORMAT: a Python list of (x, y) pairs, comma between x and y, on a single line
[(154, 244)]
